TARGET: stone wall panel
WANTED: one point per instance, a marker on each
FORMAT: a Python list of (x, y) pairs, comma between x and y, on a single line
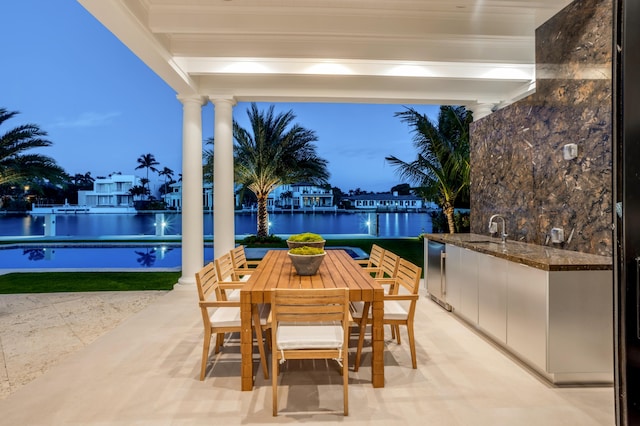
[(518, 168)]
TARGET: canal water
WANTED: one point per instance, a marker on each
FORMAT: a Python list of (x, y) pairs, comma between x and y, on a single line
[(96, 225)]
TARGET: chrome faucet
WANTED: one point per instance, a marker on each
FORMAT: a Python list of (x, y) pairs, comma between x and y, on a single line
[(493, 227)]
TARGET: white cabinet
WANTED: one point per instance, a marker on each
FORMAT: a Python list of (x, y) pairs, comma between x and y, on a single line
[(492, 296), (453, 274), (468, 307), (560, 323), (580, 318), (527, 313)]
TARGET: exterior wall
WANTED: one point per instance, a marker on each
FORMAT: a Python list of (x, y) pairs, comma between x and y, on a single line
[(302, 196), (109, 192), (174, 197), (390, 201), (518, 168)]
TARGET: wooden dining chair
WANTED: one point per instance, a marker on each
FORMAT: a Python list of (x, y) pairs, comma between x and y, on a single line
[(226, 274), (399, 308), (310, 324), (221, 316), (372, 264), (242, 267), (388, 270), (388, 266)]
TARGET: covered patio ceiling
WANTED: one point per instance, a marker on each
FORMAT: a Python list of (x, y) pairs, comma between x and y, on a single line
[(463, 52)]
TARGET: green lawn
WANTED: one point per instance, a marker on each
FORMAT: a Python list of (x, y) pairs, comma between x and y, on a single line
[(52, 282)]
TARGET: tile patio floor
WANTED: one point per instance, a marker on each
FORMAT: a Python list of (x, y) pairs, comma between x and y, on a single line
[(145, 372)]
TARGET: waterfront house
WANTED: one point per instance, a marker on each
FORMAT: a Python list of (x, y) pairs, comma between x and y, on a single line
[(173, 198), (299, 196), (111, 191), (387, 201)]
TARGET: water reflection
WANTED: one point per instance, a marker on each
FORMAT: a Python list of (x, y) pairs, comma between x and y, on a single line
[(85, 256), (34, 254), (146, 258)]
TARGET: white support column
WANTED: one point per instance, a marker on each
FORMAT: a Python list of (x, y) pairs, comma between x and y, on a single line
[(480, 110), (223, 182), (192, 210)]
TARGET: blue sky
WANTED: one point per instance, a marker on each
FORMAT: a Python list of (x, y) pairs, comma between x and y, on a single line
[(102, 107)]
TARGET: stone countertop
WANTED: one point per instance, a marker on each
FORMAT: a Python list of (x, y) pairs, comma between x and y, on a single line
[(541, 257)]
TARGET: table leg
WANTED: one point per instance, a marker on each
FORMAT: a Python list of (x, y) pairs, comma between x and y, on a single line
[(361, 329), (246, 342), (377, 358)]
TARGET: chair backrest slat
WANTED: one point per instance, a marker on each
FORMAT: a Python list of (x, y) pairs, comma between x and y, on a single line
[(310, 305), (408, 276), (224, 267), (207, 281), (375, 257), (389, 264), (239, 258)]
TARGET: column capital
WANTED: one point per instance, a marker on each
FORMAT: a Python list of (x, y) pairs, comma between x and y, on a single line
[(201, 100), (480, 109), (223, 99)]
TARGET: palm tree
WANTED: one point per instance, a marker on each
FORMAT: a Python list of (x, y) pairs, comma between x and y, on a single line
[(441, 169), (18, 167), (275, 152), (138, 191), (207, 159), (167, 173), (83, 181), (147, 161), (287, 199)]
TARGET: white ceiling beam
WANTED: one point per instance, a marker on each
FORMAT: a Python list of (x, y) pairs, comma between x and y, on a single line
[(452, 48)]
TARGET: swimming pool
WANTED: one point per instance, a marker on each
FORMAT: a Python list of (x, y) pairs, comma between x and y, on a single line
[(91, 256)]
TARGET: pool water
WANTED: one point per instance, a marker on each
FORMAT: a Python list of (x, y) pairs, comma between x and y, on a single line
[(92, 257)]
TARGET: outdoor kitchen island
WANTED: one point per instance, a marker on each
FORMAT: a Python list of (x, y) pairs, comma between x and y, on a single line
[(551, 308)]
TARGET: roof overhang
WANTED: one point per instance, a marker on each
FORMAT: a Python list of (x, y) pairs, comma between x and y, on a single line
[(362, 51)]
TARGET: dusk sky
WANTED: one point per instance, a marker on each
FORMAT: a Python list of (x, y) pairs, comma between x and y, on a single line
[(102, 107)]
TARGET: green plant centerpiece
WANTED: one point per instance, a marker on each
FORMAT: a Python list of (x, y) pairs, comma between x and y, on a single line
[(306, 239), (306, 259)]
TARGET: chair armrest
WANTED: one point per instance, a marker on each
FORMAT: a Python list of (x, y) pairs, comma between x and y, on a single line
[(363, 262), (231, 285), (401, 297), (243, 271), (253, 262), (219, 304)]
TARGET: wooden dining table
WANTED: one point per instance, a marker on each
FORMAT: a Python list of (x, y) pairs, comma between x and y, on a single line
[(337, 270)]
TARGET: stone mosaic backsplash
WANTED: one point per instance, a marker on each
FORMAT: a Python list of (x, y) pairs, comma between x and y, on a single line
[(517, 162)]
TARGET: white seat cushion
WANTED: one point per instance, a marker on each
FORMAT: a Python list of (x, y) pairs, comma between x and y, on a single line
[(357, 309), (230, 316), (225, 317), (233, 295), (393, 310), (310, 336)]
